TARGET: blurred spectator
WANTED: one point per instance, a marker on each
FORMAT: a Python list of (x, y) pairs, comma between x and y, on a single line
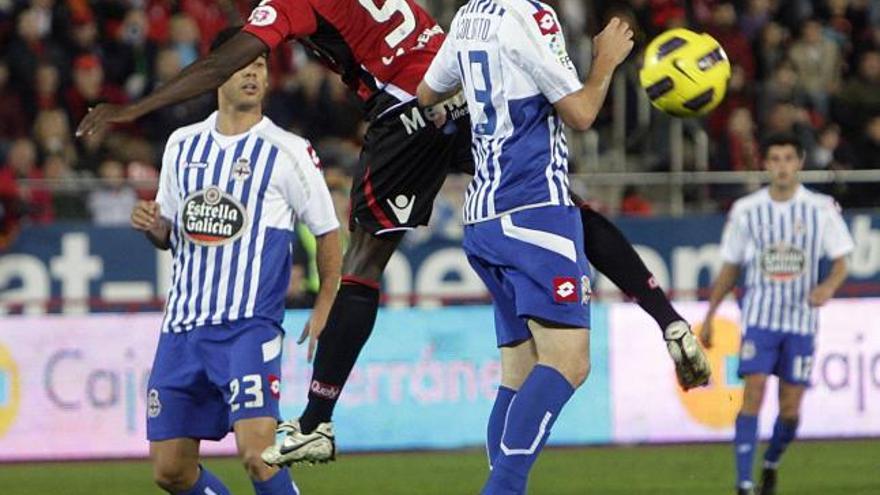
[(634, 204), (13, 122), (89, 87), (84, 34), (46, 88), (787, 117), (67, 196), (817, 62), (756, 18), (128, 55), (184, 38), (831, 152), (36, 200), (770, 49), (724, 28), (859, 99), (30, 46), (112, 202), (53, 135), (739, 95), (742, 150), (865, 194), (782, 87)]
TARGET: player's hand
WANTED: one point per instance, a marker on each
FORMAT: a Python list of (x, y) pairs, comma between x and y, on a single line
[(820, 295), (312, 331), (145, 216), (614, 43), (706, 332), (101, 116)]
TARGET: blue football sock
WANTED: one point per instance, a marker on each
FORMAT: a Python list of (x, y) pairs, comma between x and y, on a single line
[(783, 433), (744, 443), (207, 484), (280, 484), (496, 422), (530, 417)]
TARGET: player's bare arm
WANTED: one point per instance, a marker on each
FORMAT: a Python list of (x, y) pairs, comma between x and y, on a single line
[(146, 218), (825, 290), (329, 260), (428, 97), (579, 109), (206, 74), (725, 283)]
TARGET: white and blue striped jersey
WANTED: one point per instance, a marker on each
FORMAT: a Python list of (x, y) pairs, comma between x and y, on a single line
[(509, 57), (233, 201), (780, 244)]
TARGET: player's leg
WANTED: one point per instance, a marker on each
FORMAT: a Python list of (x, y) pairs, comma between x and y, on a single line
[(563, 365), (759, 354), (611, 254), (403, 167), (793, 370), (243, 361), (349, 324), (182, 406), (252, 436), (517, 361)]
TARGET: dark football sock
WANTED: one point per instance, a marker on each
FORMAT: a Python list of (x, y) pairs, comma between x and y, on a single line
[(348, 327), (613, 256)]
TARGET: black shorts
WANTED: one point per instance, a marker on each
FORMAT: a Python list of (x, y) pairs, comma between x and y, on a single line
[(403, 164)]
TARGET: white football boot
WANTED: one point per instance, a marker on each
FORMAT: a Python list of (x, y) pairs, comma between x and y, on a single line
[(297, 447), (691, 366)]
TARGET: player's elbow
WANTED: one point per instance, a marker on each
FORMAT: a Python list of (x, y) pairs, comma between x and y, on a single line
[(426, 95), (580, 123)]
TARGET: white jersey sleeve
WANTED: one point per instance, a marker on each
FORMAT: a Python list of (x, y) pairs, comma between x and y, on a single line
[(735, 239), (443, 75), (536, 44), (168, 194), (303, 186), (836, 241)]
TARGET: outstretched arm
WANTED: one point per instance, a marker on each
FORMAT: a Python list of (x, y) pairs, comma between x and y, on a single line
[(204, 75), (725, 282)]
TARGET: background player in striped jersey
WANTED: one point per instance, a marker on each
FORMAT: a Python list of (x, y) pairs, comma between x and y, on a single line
[(230, 190), (523, 232), (779, 234), (382, 52)]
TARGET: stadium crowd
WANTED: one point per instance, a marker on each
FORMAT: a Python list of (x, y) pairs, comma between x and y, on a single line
[(809, 66)]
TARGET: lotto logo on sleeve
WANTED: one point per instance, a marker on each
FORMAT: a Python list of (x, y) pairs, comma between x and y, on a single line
[(565, 290), (546, 22)]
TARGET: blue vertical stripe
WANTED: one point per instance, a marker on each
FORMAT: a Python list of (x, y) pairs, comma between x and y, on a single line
[(236, 246), (190, 287), (182, 253), (175, 243), (221, 250), (255, 230)]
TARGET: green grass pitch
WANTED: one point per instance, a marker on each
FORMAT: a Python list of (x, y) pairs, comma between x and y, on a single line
[(809, 468)]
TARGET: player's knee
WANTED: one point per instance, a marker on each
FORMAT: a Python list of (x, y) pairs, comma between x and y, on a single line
[(254, 465), (174, 478), (577, 370)]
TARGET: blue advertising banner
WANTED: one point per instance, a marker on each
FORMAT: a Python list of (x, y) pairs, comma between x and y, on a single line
[(427, 379), (74, 268)]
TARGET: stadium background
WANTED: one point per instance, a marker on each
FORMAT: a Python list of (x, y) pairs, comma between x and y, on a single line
[(79, 291)]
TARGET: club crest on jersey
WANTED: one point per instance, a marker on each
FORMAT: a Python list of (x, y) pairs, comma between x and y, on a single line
[(154, 406), (241, 169), (546, 22), (212, 217), (565, 290), (263, 15), (783, 263)]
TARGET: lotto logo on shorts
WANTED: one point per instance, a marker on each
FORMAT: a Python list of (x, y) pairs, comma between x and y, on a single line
[(565, 290), (275, 386)]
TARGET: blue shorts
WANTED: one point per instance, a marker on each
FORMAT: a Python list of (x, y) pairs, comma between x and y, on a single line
[(533, 263), (205, 380), (786, 355)]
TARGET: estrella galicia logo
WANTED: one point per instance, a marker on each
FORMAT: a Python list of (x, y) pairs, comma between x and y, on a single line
[(9, 391), (783, 263), (212, 217)]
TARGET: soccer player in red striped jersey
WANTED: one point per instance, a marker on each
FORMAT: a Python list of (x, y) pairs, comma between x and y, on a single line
[(381, 50)]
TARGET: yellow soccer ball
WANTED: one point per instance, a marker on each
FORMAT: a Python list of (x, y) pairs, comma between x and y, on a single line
[(685, 73)]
